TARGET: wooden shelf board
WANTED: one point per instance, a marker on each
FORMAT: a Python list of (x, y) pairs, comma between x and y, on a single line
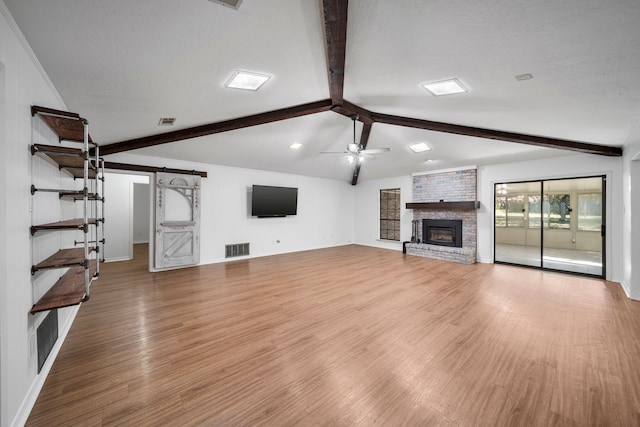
[(69, 224), (61, 259), (67, 291), (469, 205), (66, 125), (68, 159), (78, 195)]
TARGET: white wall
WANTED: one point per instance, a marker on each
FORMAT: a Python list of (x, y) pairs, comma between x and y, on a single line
[(633, 280), (367, 200), (564, 167), (24, 84), (141, 213), (3, 246), (119, 207), (631, 210), (324, 219)]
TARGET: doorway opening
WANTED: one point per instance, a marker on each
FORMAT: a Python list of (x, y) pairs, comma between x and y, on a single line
[(554, 224), (141, 221)]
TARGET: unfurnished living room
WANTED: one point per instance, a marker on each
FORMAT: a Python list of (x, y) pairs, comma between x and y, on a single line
[(319, 212)]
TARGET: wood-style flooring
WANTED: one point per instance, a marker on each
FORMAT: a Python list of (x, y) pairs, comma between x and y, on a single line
[(346, 336)]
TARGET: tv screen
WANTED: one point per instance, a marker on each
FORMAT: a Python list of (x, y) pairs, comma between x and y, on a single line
[(268, 201)]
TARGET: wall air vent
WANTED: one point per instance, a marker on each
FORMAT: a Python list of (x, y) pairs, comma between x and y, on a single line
[(236, 249), (47, 335), (166, 121), (234, 4)]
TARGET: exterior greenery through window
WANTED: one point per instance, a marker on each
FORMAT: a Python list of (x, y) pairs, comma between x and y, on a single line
[(554, 209), (390, 214)]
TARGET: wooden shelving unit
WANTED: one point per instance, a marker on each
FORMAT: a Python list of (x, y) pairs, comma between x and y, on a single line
[(70, 160), (69, 224), (61, 259), (68, 290), (83, 267)]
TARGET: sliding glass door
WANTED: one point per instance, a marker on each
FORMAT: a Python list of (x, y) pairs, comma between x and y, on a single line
[(517, 223), (552, 224)]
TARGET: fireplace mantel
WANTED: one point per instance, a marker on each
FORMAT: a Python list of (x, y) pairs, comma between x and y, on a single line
[(469, 205)]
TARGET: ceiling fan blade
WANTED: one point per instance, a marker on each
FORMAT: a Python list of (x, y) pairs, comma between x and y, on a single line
[(375, 150)]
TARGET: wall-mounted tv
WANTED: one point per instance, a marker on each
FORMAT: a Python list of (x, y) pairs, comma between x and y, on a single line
[(268, 201)]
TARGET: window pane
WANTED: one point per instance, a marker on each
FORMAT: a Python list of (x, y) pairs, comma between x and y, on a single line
[(557, 211), (590, 212), (535, 207), (390, 214), (515, 211), (501, 211)]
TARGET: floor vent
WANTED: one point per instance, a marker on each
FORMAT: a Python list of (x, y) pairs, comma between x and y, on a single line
[(47, 335), (237, 249)]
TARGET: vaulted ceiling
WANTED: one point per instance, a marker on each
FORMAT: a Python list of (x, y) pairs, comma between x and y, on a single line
[(124, 64)]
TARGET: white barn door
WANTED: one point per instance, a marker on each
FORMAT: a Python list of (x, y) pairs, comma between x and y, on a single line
[(177, 226)]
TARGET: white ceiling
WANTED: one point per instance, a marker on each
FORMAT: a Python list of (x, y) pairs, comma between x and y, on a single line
[(123, 64)]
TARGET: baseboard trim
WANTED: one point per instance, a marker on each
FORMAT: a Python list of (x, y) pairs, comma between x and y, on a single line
[(626, 289), (34, 391), (116, 259)]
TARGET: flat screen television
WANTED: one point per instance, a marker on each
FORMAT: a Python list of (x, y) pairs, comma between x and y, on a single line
[(268, 201)]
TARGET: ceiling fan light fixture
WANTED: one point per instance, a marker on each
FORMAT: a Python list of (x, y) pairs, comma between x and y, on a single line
[(445, 87), (419, 147), (246, 80), (351, 159)]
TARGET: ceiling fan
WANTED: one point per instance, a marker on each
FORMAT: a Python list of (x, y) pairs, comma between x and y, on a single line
[(356, 152)]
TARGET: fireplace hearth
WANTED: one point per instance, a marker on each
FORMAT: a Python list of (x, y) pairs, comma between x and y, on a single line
[(442, 232)]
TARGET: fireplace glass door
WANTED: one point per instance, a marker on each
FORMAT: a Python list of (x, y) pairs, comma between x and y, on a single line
[(553, 224)]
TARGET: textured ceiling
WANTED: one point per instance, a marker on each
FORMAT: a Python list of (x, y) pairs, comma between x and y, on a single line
[(123, 64)]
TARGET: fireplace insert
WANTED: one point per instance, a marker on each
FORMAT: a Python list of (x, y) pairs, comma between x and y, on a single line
[(442, 232)]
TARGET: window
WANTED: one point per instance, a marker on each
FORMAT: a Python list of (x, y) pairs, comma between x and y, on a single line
[(534, 211), (390, 214), (590, 212), (510, 211), (557, 211)]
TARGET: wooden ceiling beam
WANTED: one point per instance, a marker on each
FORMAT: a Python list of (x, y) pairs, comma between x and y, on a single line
[(213, 128), (335, 31), (150, 169), (364, 139), (540, 141), (348, 109)]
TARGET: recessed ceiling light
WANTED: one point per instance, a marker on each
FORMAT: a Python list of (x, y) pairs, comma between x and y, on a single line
[(419, 147), (246, 80), (522, 77), (166, 121), (295, 146), (445, 87)]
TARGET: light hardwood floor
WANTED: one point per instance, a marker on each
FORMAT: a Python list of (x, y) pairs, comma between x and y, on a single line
[(347, 336)]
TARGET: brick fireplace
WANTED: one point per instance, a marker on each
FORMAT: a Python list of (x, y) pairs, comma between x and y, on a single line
[(440, 198)]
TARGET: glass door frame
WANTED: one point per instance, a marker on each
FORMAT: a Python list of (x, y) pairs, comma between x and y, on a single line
[(603, 227)]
